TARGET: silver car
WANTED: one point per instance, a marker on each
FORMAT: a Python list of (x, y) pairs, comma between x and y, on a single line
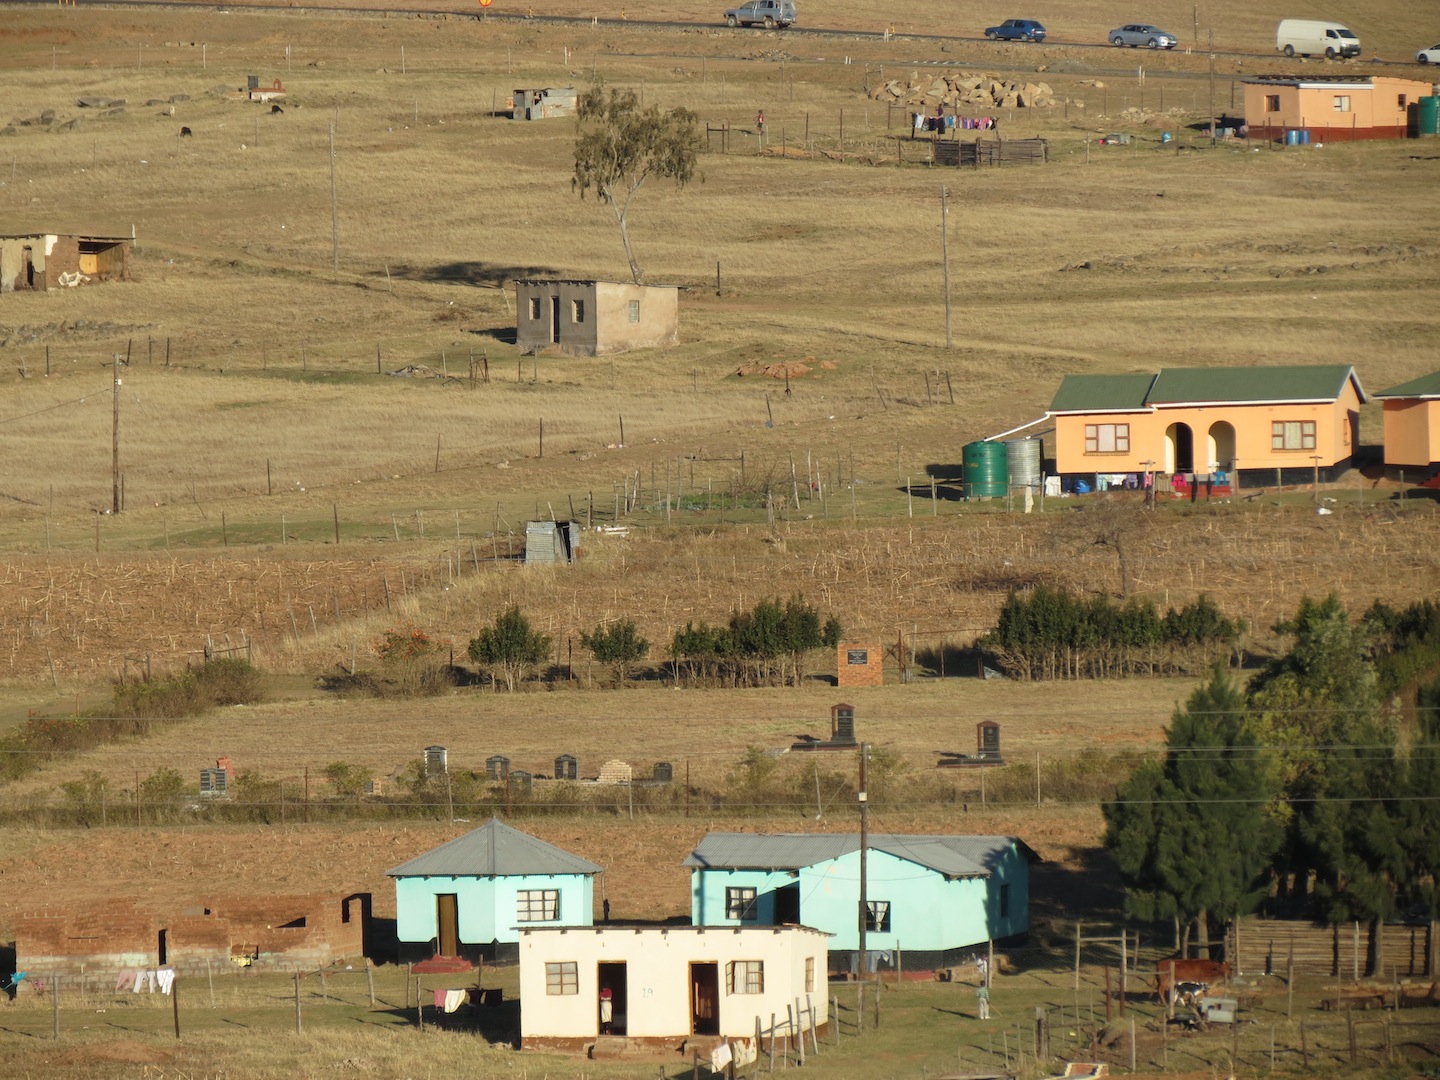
[(1137, 34)]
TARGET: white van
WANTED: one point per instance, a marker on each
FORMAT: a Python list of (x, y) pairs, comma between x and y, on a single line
[(1316, 37)]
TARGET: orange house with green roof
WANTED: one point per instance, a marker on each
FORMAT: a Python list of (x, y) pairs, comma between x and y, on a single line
[(1412, 422), (1265, 421)]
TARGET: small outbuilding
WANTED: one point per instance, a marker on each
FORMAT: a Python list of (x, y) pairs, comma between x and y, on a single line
[(473, 895), (670, 986), (1333, 108), (932, 896), (1412, 422), (544, 104), (41, 261), (586, 317)]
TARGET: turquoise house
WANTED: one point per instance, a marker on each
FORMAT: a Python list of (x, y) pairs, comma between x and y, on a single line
[(473, 895), (934, 898)]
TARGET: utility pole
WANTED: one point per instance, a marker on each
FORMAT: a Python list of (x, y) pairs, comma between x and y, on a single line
[(945, 252), (334, 210), (115, 441), (864, 840), (1213, 132)]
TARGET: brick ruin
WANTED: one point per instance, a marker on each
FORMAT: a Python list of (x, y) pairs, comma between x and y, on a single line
[(286, 933)]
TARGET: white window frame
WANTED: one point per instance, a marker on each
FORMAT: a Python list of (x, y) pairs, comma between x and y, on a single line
[(535, 309), (537, 905), (1341, 103), (634, 311)]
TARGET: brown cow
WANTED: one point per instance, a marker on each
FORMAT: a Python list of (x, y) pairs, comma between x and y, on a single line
[(1207, 972)]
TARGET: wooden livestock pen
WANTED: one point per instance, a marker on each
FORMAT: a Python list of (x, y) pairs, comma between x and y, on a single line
[(992, 152)]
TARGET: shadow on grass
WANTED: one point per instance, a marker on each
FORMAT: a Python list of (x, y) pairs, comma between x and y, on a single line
[(469, 272)]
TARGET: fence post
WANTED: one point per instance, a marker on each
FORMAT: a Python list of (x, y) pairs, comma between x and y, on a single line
[(55, 1005), (297, 1003)]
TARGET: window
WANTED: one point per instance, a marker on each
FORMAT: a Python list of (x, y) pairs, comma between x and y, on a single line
[(1342, 103), (877, 916), (534, 308), (577, 311), (635, 304), (1401, 101), (561, 977), (746, 976), (537, 905), (1107, 438), (1004, 901), (740, 904), (1272, 102), (809, 974), (1292, 435)]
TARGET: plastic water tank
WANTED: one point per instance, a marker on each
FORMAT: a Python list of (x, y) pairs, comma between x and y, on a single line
[(987, 472)]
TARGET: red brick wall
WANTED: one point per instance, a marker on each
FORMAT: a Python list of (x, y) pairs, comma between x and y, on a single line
[(868, 673), (95, 938), (119, 935)]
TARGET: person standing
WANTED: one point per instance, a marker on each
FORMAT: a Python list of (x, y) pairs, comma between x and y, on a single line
[(760, 123), (982, 1001), (607, 1010)]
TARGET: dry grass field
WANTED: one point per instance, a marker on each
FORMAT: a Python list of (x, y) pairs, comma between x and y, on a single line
[(256, 432)]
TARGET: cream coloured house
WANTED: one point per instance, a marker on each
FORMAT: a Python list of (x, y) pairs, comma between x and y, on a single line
[(667, 986)]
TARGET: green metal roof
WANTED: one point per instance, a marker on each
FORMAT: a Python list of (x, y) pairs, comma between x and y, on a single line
[(1252, 385), (1427, 386), (1101, 393)]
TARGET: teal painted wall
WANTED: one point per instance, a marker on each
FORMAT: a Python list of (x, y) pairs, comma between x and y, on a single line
[(926, 911), (486, 906)]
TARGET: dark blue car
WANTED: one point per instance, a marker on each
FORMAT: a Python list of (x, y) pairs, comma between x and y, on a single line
[(1016, 30)]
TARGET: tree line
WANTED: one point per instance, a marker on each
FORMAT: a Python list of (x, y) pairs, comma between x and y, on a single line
[(1311, 790), (1049, 633)]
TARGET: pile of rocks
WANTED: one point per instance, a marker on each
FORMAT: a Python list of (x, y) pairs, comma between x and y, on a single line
[(965, 91)]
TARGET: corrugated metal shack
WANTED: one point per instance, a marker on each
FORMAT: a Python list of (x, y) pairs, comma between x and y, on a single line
[(545, 103), (551, 541)]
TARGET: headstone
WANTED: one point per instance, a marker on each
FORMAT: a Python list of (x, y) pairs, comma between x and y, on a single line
[(436, 761), (842, 725), (664, 772), (567, 767), (497, 767)]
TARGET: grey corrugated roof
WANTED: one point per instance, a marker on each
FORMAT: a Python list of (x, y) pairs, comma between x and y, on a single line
[(1252, 385), (494, 850), (1426, 386), (952, 856)]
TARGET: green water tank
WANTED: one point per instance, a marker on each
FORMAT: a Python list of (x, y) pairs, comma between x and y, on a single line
[(987, 471), (1429, 116)]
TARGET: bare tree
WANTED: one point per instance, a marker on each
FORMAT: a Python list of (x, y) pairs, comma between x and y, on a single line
[(622, 144)]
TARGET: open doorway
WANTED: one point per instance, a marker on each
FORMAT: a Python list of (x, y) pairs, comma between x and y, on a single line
[(787, 904), (1179, 449), (447, 922), (555, 320), (162, 949), (612, 982), (705, 999)]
